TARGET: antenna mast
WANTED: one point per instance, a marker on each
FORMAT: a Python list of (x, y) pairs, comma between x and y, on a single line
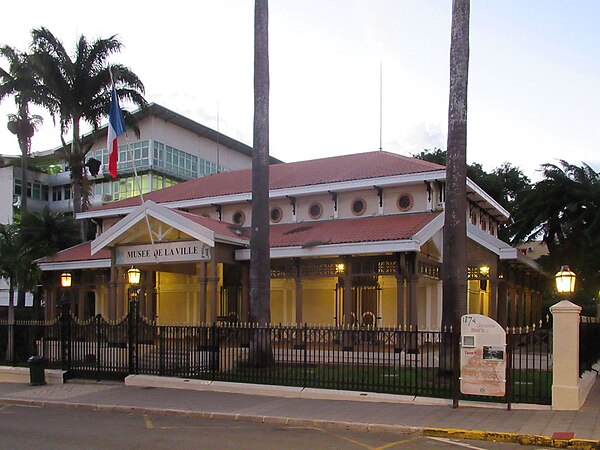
[(380, 106)]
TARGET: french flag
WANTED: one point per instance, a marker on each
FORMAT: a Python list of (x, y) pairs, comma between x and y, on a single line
[(116, 127)]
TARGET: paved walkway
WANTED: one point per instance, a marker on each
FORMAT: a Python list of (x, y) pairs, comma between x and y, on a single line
[(526, 426)]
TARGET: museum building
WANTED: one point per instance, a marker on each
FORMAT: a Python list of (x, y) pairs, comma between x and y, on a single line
[(355, 240)]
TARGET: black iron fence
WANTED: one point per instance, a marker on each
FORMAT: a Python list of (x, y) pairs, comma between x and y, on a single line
[(589, 343), (386, 360)]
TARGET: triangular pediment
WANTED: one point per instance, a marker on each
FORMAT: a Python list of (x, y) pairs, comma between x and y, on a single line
[(152, 223)]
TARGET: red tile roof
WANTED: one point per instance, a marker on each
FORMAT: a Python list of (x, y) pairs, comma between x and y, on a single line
[(79, 252), (341, 231), (222, 228), (303, 173), (304, 234)]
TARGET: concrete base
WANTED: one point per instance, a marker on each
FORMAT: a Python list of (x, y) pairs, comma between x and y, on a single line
[(9, 374), (572, 398)]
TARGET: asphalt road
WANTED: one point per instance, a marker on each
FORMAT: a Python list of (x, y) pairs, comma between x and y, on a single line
[(57, 428)]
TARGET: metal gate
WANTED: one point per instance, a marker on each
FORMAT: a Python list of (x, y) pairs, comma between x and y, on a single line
[(366, 305)]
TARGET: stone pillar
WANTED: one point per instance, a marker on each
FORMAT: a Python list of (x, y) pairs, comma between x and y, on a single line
[(202, 280), (81, 303), (502, 304), (348, 317), (149, 287), (513, 305), (245, 281), (400, 300), (413, 317), (120, 303), (493, 287), (566, 392), (349, 320), (213, 282), (51, 299), (298, 286)]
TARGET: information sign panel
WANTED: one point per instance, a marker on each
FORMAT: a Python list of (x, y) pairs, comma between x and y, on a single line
[(482, 356)]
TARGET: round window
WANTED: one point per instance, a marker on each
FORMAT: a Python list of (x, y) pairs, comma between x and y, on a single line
[(358, 207), (276, 214), (405, 202), (315, 210), (239, 217)]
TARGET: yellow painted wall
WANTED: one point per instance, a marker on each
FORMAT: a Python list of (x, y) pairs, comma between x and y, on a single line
[(388, 301)]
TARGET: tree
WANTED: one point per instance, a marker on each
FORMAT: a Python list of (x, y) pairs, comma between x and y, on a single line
[(21, 82), (506, 184), (562, 209), (78, 89), (50, 231), (454, 269), (19, 268), (260, 262)]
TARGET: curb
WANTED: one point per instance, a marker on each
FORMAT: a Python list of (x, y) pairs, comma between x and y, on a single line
[(515, 438), (450, 433)]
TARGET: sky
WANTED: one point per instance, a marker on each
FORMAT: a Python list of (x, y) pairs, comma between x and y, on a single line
[(534, 73)]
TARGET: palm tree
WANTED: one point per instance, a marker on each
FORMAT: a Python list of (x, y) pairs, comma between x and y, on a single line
[(454, 268), (21, 82), (455, 232), (562, 209), (50, 231), (78, 89), (16, 266), (260, 263)]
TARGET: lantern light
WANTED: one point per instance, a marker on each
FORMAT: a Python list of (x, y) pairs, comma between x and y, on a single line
[(133, 275), (484, 271), (65, 279), (340, 267), (565, 280)]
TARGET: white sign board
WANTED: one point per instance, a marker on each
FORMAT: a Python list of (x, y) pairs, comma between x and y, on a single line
[(482, 356), (178, 251)]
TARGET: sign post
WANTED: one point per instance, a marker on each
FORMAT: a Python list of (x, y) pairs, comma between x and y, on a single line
[(482, 356)]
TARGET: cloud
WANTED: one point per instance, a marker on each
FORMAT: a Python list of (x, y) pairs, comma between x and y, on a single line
[(418, 137)]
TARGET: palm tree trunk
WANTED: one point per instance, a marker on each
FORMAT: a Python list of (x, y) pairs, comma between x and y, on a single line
[(260, 269), (454, 268), (77, 174), (24, 145), (10, 346), (455, 214)]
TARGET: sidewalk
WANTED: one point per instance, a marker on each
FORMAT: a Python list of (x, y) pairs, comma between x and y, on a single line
[(525, 426)]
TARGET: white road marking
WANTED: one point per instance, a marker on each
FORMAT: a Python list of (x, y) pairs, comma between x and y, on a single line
[(460, 444)]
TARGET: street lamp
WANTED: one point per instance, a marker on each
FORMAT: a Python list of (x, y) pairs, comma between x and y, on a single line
[(565, 281), (65, 282), (484, 274), (133, 276), (65, 279)]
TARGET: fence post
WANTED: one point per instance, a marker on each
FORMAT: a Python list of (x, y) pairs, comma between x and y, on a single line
[(565, 355), (133, 334), (65, 331)]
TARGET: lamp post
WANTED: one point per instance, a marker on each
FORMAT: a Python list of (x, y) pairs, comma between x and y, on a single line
[(565, 281), (484, 275), (133, 277), (66, 280)]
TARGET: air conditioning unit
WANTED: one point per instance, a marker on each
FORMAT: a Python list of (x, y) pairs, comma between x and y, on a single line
[(106, 198), (16, 201)]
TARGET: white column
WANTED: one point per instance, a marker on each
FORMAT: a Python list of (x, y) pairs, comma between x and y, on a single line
[(565, 355)]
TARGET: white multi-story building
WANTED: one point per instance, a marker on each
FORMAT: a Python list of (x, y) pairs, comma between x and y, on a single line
[(170, 148)]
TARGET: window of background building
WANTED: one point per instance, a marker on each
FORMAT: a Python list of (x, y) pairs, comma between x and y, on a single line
[(57, 193)]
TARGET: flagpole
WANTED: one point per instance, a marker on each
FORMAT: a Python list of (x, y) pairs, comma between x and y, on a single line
[(136, 179)]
